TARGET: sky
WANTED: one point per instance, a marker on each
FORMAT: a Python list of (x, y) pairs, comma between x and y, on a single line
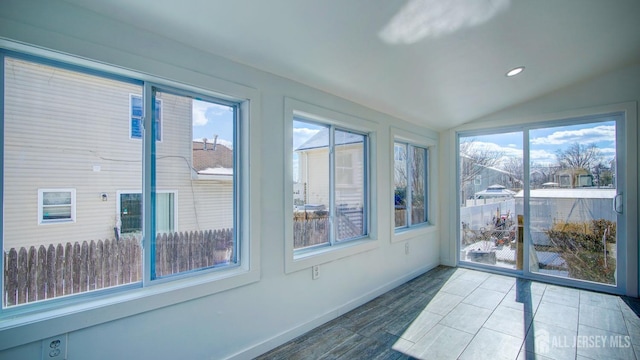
[(210, 119), (545, 142)]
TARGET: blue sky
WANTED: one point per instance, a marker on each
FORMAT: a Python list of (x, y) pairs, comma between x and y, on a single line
[(210, 119), (544, 142)]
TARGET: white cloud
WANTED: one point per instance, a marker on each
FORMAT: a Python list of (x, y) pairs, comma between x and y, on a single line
[(203, 111), (587, 135), (542, 157)]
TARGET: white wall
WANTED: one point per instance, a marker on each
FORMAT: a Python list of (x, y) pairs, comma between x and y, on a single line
[(243, 321), (614, 89)]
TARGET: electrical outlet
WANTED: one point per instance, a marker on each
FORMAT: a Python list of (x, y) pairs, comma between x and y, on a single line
[(406, 248), (315, 272), (55, 348)]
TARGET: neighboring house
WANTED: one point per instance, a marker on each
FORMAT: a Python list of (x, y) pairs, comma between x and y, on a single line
[(313, 179), (574, 178), (313, 169), (480, 178), (87, 187)]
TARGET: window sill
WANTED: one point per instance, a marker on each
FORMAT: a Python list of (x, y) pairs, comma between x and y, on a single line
[(404, 234), (299, 261), (18, 327)]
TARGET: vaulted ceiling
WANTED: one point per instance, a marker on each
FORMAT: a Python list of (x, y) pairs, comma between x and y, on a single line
[(439, 63)]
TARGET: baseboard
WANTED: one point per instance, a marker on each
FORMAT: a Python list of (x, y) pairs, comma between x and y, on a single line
[(288, 335)]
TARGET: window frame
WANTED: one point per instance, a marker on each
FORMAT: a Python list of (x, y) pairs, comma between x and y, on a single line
[(66, 314), (410, 147), (429, 142), (299, 259), (41, 206)]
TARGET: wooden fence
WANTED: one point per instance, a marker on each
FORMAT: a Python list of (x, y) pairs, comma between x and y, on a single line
[(417, 214), (47, 272), (312, 227)]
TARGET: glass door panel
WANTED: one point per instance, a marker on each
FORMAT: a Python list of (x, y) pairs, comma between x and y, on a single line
[(572, 223), (490, 175)]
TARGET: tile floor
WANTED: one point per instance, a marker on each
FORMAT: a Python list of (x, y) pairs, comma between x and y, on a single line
[(454, 313)]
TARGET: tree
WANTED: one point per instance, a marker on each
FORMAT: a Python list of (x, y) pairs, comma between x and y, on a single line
[(602, 174), (474, 159), (579, 156), (515, 167)]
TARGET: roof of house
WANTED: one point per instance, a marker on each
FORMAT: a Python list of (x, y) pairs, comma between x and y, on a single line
[(210, 161), (321, 139)]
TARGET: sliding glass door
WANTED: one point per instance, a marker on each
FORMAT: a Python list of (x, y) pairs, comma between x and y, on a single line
[(544, 201), (572, 191)]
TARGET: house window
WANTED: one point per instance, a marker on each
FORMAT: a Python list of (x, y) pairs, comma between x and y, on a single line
[(130, 212), (330, 165), (410, 185), (64, 121), (137, 111), (56, 206), (477, 180)]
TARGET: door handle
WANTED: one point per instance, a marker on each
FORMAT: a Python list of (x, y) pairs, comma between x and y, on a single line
[(617, 205)]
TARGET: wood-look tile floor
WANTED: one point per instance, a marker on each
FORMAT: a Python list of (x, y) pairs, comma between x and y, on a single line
[(455, 313)]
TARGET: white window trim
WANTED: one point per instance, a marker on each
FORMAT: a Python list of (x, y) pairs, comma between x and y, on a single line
[(58, 316), (131, 95), (41, 221), (299, 260), (425, 141)]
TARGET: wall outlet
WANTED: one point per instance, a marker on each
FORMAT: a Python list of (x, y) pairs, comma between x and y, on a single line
[(55, 348), (406, 248), (315, 272)]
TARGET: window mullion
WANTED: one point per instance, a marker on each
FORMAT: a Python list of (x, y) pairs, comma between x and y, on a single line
[(409, 194), (332, 187), (148, 183)]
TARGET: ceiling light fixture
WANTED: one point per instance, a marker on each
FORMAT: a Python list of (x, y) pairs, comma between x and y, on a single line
[(515, 71)]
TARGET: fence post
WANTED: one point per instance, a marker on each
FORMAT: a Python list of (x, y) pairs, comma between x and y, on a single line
[(11, 277), (51, 271), (59, 270), (520, 244)]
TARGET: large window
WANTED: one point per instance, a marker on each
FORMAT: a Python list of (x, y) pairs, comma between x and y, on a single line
[(68, 126), (410, 185), (330, 184)]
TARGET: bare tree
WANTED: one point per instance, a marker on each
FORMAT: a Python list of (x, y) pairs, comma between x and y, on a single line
[(474, 159), (515, 167), (579, 156)]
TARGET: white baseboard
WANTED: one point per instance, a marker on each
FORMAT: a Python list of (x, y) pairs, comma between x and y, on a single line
[(288, 335)]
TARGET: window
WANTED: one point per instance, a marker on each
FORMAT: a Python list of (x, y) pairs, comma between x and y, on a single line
[(65, 121), (410, 185), (207, 169), (56, 206), (130, 212), (330, 165), (136, 117)]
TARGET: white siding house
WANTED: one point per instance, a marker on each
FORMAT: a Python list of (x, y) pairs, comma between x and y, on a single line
[(71, 133)]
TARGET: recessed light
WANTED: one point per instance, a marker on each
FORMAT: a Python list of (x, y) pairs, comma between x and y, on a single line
[(515, 71)]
